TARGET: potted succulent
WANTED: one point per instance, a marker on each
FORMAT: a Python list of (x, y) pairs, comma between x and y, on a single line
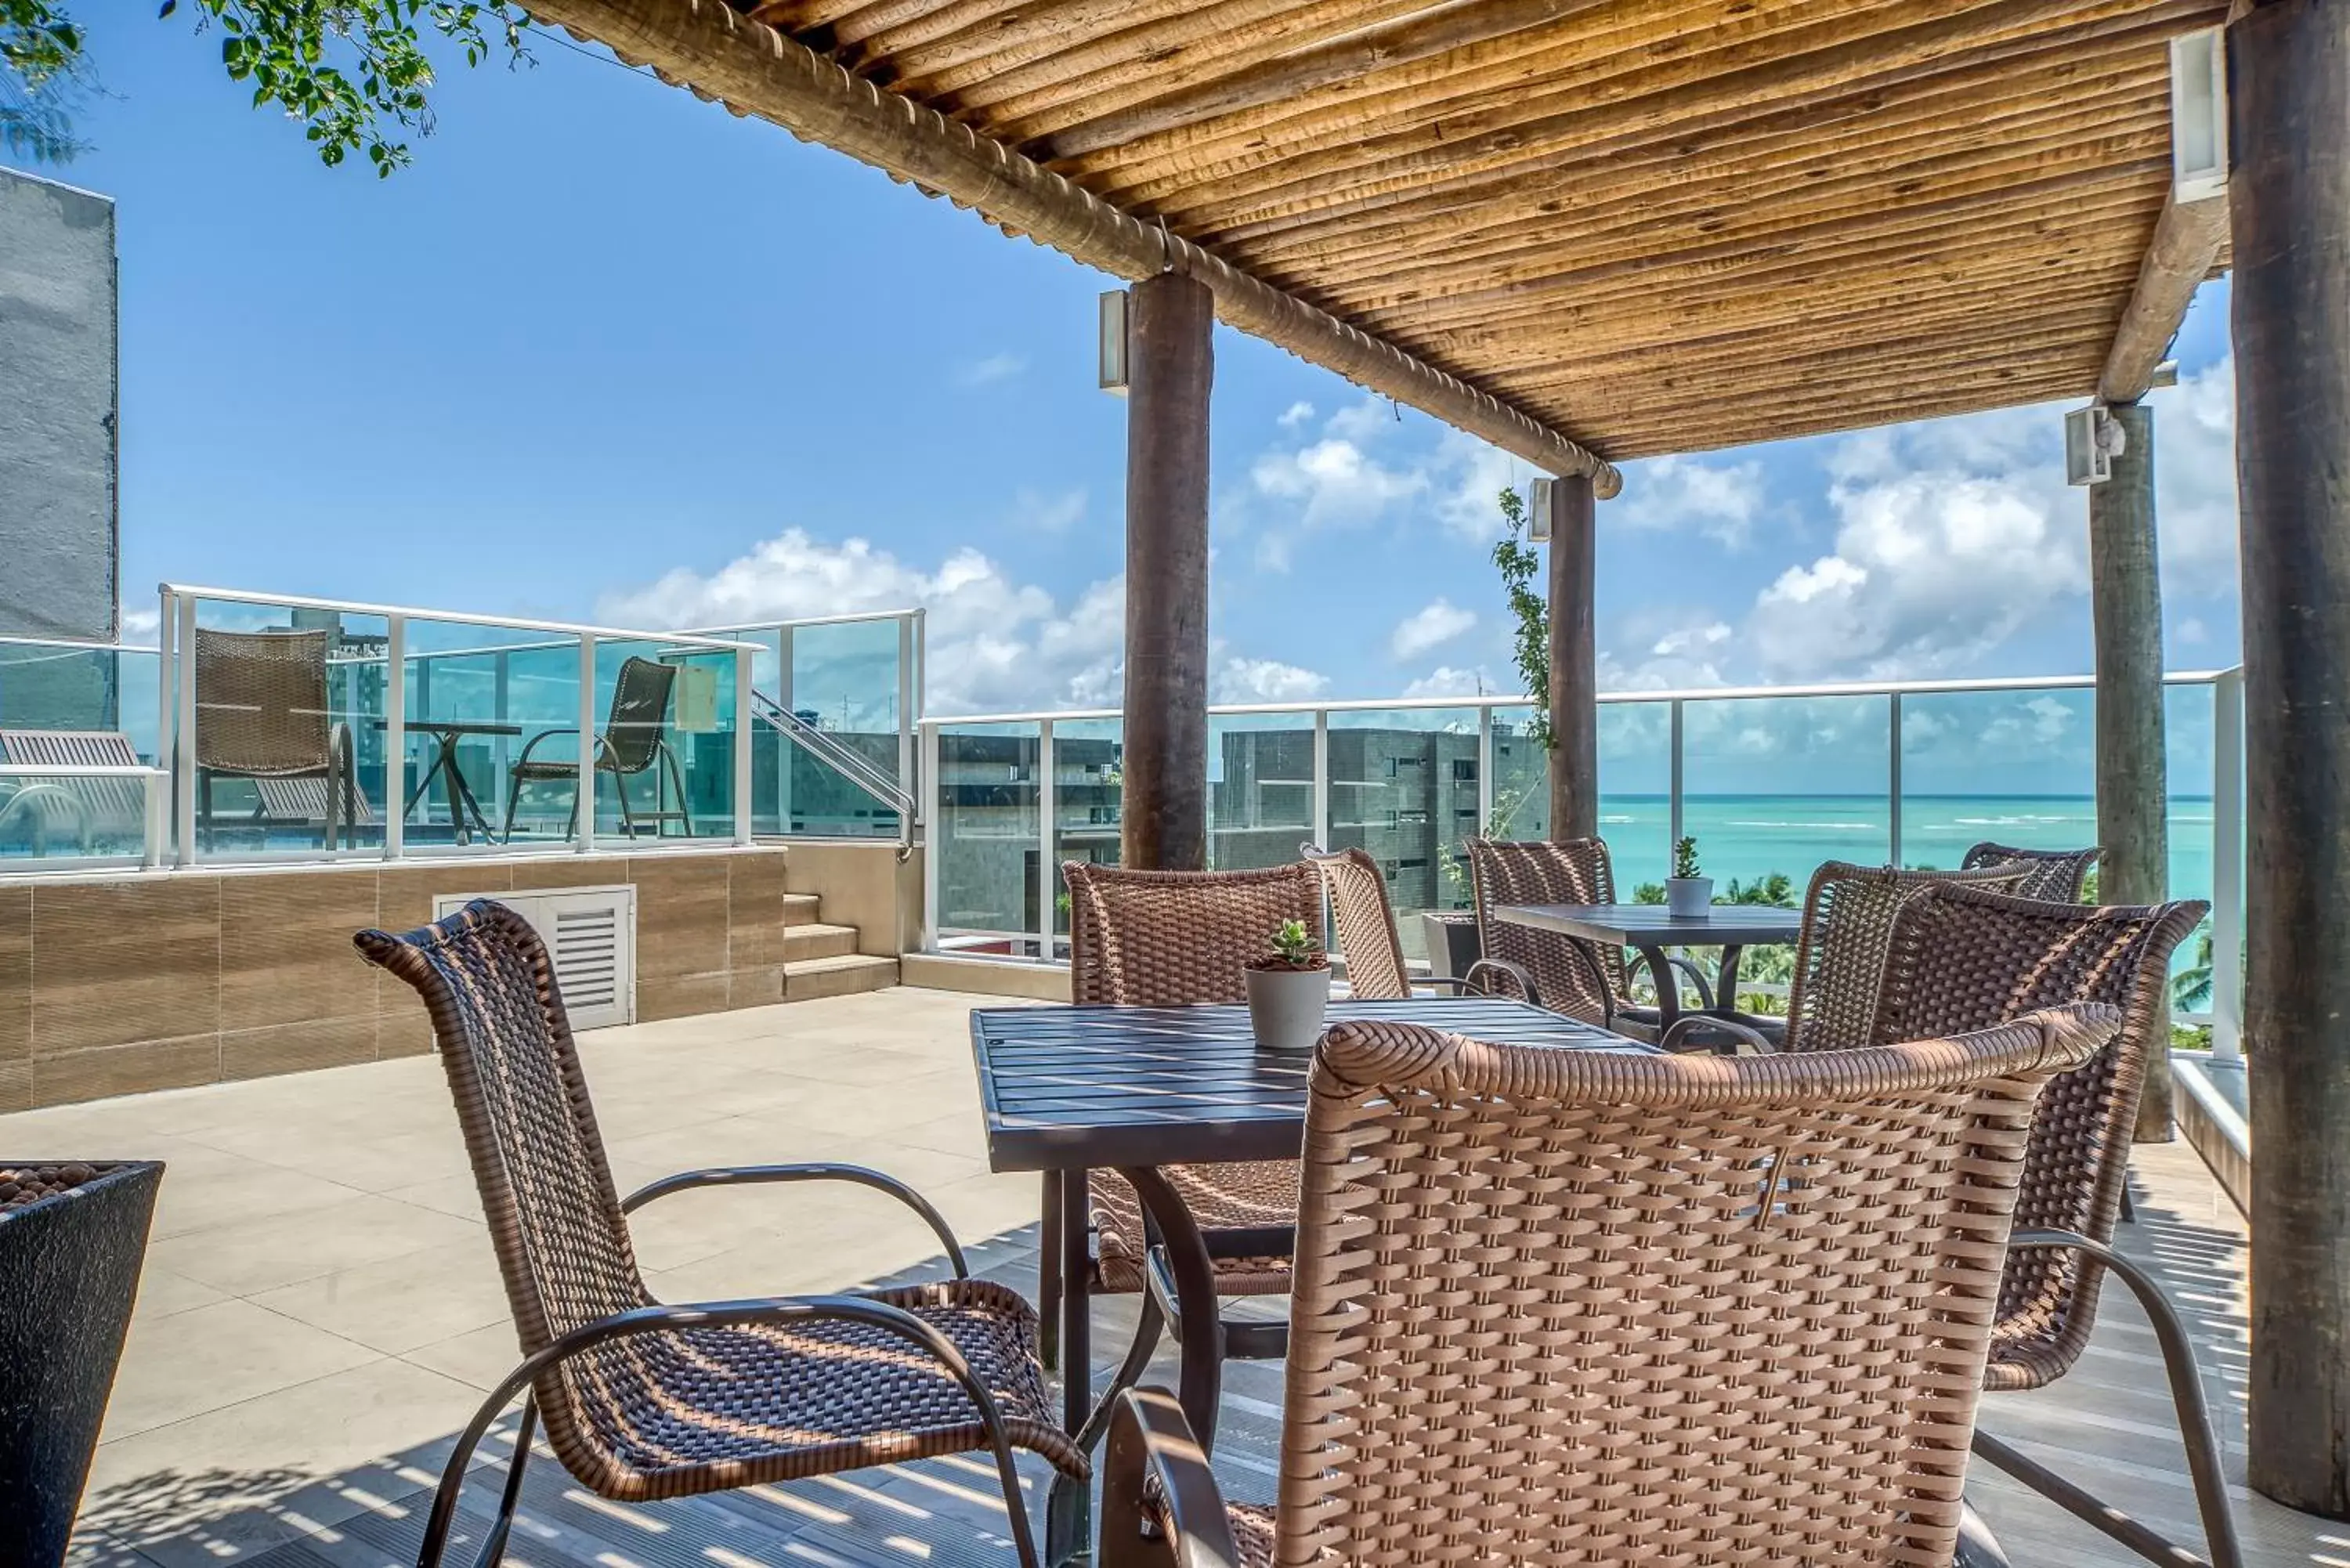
[(72, 1237), (1688, 892), (1289, 991)]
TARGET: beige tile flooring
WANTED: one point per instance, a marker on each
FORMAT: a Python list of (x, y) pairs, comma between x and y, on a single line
[(320, 1310)]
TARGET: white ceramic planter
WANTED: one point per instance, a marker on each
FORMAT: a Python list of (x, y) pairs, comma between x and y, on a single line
[(1688, 897), (1286, 1007)]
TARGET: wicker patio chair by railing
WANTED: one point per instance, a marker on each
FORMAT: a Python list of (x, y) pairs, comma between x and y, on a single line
[(1576, 1306), (1962, 957), (1174, 938), (1365, 920), (2057, 875), (90, 812), (644, 1400), (1582, 979), (632, 740), (263, 713)]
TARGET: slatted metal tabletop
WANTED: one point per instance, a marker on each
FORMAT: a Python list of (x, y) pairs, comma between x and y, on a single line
[(1072, 1088), (1653, 925)]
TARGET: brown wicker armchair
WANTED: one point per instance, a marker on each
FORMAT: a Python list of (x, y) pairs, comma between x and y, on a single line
[(1726, 1312), (632, 743), (1580, 979), (1963, 958), (2057, 875), (1365, 921), (1172, 938), (643, 1400), (263, 713)]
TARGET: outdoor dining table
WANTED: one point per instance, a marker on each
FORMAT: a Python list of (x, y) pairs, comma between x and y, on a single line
[(1650, 928), (464, 809), (1066, 1090)]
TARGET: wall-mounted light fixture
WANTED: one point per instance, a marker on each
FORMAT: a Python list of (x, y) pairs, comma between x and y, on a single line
[(2093, 439), (2198, 115), (1538, 512), (1113, 342)]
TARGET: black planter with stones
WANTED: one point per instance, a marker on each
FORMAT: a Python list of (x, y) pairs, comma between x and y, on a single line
[(72, 1237)]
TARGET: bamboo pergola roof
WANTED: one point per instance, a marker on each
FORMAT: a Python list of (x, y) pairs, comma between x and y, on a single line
[(1638, 226)]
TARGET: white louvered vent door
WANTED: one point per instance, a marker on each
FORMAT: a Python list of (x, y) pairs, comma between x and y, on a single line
[(590, 933)]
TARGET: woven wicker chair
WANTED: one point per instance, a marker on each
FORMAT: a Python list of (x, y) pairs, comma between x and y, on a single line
[(90, 811), (1580, 979), (1572, 1306), (1174, 939), (2057, 875), (632, 743), (263, 713), (643, 1401), (1963, 958), (1365, 921)]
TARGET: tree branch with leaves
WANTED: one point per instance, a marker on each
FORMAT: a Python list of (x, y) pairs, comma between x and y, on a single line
[(355, 73), (1520, 567)]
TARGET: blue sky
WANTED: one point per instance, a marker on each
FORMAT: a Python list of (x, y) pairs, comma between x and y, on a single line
[(606, 351)]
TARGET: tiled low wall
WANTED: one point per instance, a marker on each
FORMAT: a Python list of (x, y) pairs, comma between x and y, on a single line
[(119, 985)]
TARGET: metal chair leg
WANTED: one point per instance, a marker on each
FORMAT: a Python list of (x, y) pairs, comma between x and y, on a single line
[(1147, 1333), (453, 1482), (677, 787), (1048, 1274), (2203, 1462)]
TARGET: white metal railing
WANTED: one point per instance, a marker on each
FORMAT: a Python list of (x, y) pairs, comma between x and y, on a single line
[(176, 703), (1039, 779)]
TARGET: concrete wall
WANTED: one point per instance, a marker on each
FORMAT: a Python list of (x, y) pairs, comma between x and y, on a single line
[(865, 885), (57, 405), (119, 985)]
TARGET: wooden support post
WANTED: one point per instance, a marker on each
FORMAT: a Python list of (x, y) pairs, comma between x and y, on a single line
[(1163, 814), (1574, 662), (2125, 605), (2289, 199)]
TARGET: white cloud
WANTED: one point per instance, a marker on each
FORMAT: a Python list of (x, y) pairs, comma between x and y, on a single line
[(988, 371), (1433, 625), (1720, 500), (1334, 481), (994, 644), (1446, 680), (1347, 473), (1297, 414), (1056, 514), (1266, 681), (140, 627)]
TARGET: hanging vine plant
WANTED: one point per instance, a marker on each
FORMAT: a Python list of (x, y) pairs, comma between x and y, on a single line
[(1520, 566)]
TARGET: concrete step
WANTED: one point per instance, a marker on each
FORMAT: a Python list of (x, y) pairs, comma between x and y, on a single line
[(801, 908), (818, 941), (838, 976)]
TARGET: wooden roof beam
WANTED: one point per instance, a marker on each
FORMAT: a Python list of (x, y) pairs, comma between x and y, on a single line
[(2184, 252), (705, 47)]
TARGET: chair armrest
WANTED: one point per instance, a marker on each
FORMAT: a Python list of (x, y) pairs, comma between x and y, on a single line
[(1691, 1025), (750, 1174), (1500, 977), (1637, 959), (1161, 1505)]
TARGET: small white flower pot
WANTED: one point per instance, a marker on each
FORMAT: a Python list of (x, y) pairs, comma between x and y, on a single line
[(1688, 897), (1286, 1007)]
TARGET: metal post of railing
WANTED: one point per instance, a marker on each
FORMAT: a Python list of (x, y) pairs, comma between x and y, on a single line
[(2226, 865), (1673, 785), (742, 747), (1322, 778), (783, 741), (395, 738), (1484, 768), (167, 706), (929, 845), (906, 703), (154, 799), (1893, 776), (1044, 862), (583, 811), (183, 727)]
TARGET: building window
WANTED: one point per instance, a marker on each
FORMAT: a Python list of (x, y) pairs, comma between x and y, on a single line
[(1464, 770)]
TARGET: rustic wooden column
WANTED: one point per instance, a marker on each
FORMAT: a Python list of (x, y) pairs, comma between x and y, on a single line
[(2289, 196), (1163, 809), (2125, 605), (1574, 662)]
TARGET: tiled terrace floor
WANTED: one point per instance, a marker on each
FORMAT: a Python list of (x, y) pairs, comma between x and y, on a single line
[(321, 1312)]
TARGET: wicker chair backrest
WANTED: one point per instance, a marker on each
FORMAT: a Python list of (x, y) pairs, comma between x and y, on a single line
[(640, 696), (1591, 1307), (530, 1135), (2055, 875), (261, 703), (1575, 871), (1171, 939), (1365, 921), (1965, 958), (1848, 932)]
